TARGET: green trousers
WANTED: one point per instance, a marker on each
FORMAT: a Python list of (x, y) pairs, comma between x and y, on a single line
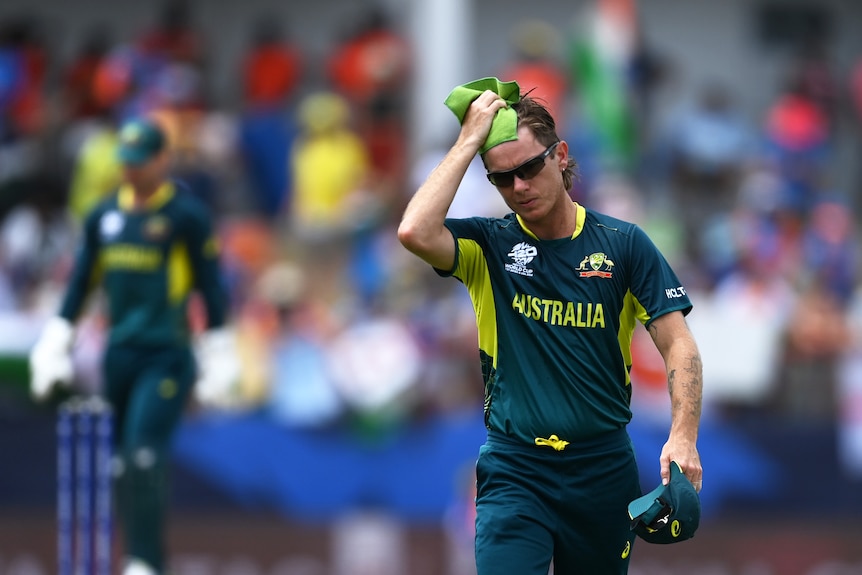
[(149, 389), (536, 506)]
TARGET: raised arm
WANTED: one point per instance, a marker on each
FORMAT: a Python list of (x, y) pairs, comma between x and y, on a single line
[(421, 230), (685, 385)]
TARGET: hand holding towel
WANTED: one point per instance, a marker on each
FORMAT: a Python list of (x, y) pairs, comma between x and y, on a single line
[(505, 125)]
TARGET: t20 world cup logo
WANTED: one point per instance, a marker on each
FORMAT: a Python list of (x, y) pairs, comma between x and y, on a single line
[(522, 254)]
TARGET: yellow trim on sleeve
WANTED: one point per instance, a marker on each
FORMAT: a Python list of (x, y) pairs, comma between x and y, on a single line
[(472, 269), (179, 273), (632, 312)]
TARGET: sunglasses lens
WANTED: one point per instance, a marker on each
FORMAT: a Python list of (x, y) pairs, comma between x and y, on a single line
[(530, 169), (525, 171), (502, 179)]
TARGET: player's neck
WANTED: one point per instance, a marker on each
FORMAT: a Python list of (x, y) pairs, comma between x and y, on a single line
[(560, 222), (142, 194)]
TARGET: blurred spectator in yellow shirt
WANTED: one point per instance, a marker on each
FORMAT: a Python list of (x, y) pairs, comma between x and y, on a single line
[(330, 167)]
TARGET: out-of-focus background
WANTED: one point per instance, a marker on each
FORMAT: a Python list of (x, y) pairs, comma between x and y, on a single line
[(729, 130)]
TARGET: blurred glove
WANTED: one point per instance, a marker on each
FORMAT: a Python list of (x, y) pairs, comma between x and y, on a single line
[(51, 358), (137, 567), (218, 369)]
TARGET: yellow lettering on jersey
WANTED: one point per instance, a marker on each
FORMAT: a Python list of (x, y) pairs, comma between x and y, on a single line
[(536, 311), (518, 303), (570, 314), (599, 316), (130, 257), (555, 312)]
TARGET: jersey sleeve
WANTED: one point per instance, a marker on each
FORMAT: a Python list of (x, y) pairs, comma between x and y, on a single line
[(653, 282), (85, 270), (204, 258), (469, 239)]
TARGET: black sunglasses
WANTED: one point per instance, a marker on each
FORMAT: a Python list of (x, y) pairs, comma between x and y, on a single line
[(525, 171)]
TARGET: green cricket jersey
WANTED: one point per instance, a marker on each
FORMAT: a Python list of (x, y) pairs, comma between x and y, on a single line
[(556, 318), (148, 261)]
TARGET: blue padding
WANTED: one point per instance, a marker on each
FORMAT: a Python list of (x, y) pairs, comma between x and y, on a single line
[(416, 472)]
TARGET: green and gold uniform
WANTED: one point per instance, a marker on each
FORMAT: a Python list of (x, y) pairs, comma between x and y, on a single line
[(147, 261), (555, 321)]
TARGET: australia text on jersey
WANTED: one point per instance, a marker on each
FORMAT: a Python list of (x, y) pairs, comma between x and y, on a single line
[(563, 313), (131, 257)]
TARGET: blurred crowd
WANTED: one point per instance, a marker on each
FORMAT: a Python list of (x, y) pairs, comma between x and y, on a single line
[(310, 166)]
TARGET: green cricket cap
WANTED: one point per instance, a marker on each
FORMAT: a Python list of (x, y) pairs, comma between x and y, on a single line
[(140, 141), (669, 513)]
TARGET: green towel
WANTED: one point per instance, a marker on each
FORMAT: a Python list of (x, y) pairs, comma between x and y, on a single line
[(505, 125)]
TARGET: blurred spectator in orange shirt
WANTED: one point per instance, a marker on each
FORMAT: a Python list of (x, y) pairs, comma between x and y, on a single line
[(271, 71), (372, 61), (271, 68), (371, 68), (798, 142), (23, 66), (536, 67), (80, 98), (795, 122)]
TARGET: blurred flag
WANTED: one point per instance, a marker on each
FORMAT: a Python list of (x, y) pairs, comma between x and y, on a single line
[(600, 50)]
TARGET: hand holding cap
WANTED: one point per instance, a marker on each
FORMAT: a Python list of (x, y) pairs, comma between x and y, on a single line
[(669, 513)]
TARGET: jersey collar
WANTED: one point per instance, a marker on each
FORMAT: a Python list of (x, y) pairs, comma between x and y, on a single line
[(579, 225), (126, 197)]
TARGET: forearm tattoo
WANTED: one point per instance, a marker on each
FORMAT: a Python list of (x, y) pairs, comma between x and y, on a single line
[(687, 394)]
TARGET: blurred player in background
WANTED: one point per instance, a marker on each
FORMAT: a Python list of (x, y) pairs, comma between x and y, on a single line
[(149, 246), (557, 289)]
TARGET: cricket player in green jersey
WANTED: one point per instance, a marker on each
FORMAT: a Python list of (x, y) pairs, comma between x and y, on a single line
[(149, 247), (557, 290)]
